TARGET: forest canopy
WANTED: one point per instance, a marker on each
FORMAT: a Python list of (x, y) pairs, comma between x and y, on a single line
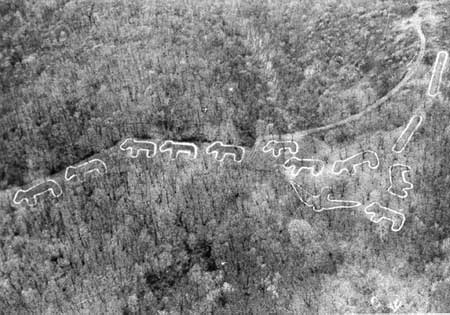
[(160, 236)]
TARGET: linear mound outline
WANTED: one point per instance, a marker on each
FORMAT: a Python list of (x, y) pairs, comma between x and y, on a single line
[(51, 190), (265, 149), (407, 76), (373, 214), (162, 150), (411, 134), (69, 178), (437, 80), (291, 168), (405, 190), (327, 188), (358, 164), (130, 149), (215, 153)]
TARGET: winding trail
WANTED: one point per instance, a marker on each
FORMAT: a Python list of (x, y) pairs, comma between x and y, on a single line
[(415, 21)]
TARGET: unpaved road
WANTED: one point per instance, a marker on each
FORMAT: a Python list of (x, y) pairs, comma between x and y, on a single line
[(415, 22)]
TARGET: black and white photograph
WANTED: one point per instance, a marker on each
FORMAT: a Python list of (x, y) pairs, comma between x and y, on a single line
[(231, 157)]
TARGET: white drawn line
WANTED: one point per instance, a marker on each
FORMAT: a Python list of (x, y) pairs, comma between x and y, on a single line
[(408, 75), (300, 192), (169, 145), (313, 162), (286, 145), (438, 69), (325, 194), (408, 185), (71, 171), (149, 147), (215, 152), (21, 195), (407, 133), (377, 213), (347, 204), (349, 164)]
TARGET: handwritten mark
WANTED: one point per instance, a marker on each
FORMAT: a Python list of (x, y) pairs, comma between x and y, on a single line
[(295, 165), (176, 148), (87, 168), (323, 201), (30, 195), (349, 164), (407, 133), (438, 70), (378, 213), (220, 151), (276, 147), (135, 147), (399, 185)]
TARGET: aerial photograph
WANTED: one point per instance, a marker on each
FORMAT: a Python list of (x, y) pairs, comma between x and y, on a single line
[(224, 157)]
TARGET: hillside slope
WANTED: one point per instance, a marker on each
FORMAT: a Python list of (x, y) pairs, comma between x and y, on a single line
[(161, 236)]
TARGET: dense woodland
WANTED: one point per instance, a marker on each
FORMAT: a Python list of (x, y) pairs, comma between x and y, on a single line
[(156, 236)]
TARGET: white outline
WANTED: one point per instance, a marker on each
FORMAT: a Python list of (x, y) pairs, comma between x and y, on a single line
[(323, 191), (441, 69), (51, 190), (216, 153), (138, 150), (410, 134), (373, 214), (312, 170), (404, 190), (272, 143), (179, 151), (344, 169), (84, 165), (416, 24)]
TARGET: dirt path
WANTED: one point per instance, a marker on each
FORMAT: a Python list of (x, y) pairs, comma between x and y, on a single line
[(415, 22)]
